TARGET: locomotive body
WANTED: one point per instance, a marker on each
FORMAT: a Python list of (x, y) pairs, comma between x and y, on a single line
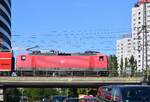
[(6, 61), (66, 63)]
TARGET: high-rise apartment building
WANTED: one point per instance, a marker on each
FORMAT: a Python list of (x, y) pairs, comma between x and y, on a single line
[(124, 48), (141, 33), (140, 40), (5, 25)]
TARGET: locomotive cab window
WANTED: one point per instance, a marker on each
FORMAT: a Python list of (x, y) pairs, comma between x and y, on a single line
[(101, 58), (23, 57)]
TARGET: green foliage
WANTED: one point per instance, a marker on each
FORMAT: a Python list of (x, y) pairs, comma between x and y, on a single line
[(121, 66), (126, 62), (125, 66), (133, 65), (87, 91), (63, 92), (32, 94), (35, 94), (13, 95), (73, 92), (113, 65), (92, 92), (82, 91)]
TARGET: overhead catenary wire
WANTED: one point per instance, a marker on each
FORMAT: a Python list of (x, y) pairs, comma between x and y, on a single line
[(107, 38)]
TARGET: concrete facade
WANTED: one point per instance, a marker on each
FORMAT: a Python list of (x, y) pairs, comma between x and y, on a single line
[(140, 15), (124, 49), (138, 35)]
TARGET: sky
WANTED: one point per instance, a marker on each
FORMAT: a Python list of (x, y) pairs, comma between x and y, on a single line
[(70, 25)]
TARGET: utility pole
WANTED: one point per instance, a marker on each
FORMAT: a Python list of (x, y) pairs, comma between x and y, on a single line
[(141, 46), (145, 36)]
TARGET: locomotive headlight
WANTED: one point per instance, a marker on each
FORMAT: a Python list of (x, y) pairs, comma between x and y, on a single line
[(23, 57)]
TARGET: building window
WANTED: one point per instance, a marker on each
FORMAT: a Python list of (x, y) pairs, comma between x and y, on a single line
[(139, 42), (129, 43), (139, 38), (148, 15), (139, 18), (148, 26), (129, 51), (139, 13), (139, 61), (148, 6)]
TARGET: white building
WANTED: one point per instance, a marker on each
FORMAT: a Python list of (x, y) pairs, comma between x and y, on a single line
[(140, 14), (124, 48), (140, 22)]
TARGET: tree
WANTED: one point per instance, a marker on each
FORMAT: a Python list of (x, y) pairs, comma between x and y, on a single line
[(133, 65), (126, 65), (64, 91), (110, 64), (32, 94), (36, 94), (113, 65), (121, 66), (73, 92), (92, 92), (13, 95), (82, 91)]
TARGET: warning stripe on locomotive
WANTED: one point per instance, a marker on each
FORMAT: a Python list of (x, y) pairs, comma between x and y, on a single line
[(5, 58)]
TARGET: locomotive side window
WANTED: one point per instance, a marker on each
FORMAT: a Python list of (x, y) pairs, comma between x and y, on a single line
[(23, 57), (101, 58)]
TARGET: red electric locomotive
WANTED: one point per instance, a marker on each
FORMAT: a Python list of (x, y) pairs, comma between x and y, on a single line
[(56, 63), (6, 62)]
